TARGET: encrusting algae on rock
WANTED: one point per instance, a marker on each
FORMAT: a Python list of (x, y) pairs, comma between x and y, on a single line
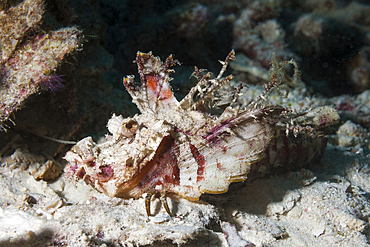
[(29, 58), (182, 148)]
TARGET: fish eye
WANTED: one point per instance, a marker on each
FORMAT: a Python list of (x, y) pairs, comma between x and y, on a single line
[(128, 125), (129, 128)]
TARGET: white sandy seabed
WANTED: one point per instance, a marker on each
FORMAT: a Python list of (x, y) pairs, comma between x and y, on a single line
[(324, 207)]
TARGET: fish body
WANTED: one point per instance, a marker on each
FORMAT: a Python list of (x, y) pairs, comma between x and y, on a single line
[(179, 147)]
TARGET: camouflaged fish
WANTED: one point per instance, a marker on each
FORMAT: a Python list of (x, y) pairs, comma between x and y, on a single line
[(181, 148)]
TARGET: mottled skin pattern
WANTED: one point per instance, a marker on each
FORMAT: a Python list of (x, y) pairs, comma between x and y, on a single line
[(178, 147)]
